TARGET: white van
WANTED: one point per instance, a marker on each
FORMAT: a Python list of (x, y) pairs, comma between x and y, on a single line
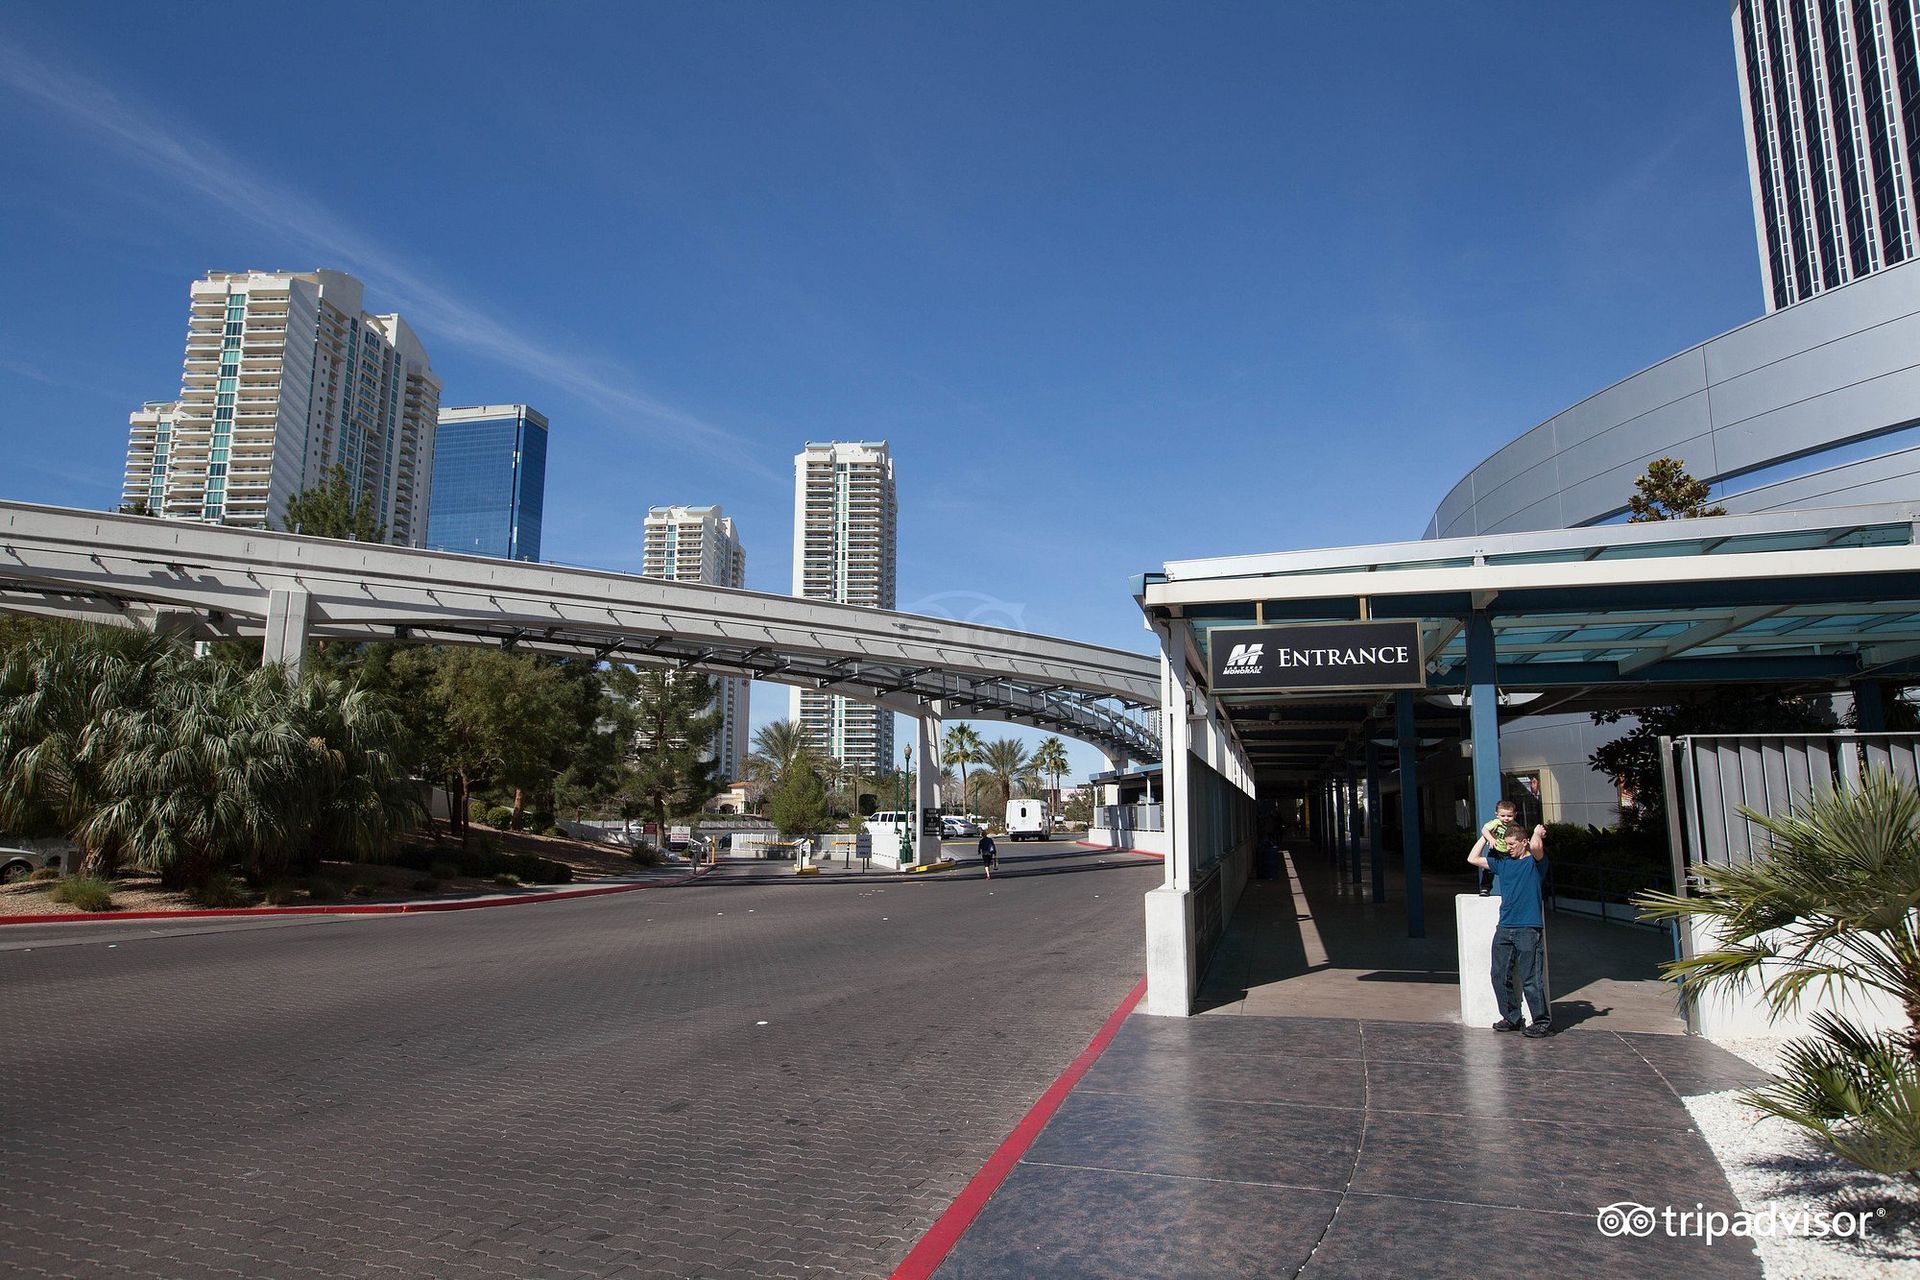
[(886, 826), (1029, 820)]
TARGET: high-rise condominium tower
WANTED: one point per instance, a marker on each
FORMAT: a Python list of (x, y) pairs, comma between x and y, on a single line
[(845, 523), (286, 376), (489, 481), (699, 544), (1831, 97)]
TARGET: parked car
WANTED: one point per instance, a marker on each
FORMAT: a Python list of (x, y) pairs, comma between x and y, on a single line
[(954, 827), (18, 864)]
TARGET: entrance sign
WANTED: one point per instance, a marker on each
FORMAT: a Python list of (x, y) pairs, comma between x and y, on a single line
[(1320, 655)]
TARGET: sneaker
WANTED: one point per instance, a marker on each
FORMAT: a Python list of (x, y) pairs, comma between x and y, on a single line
[(1486, 891), (1504, 1025), (1538, 1030)]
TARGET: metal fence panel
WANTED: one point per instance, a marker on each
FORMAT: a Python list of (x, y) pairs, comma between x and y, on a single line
[(1711, 778)]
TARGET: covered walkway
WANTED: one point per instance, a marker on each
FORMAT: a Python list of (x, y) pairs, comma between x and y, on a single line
[(1312, 945), (1301, 689)]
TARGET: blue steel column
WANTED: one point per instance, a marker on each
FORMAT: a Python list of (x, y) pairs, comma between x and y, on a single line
[(1483, 716), (1350, 799), (1409, 742), (1376, 849), (1870, 706)]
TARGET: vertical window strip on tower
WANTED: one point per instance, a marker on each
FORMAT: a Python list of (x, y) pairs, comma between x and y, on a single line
[(1780, 92)]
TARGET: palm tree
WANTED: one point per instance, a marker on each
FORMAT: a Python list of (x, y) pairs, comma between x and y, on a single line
[(961, 746), (777, 747), (1050, 759), (1005, 761), (1828, 906)]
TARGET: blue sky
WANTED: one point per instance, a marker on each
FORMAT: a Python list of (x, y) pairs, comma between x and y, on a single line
[(1121, 283)]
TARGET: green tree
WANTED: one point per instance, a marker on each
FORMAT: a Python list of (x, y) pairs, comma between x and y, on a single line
[(1050, 761), (1828, 905), (1632, 761), (799, 804), (960, 746), (328, 509), (1005, 761), (1667, 492), (670, 770), (489, 716)]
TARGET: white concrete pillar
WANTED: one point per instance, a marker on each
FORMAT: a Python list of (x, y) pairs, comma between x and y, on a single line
[(1173, 957), (286, 638), (926, 784)]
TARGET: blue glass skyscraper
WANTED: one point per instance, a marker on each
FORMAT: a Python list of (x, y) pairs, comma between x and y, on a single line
[(489, 481)]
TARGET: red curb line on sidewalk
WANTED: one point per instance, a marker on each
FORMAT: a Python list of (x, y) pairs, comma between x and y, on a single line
[(364, 909), (1114, 848), (926, 1256)]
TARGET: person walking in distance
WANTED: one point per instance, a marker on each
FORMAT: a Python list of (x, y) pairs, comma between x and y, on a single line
[(1516, 861), (988, 854)]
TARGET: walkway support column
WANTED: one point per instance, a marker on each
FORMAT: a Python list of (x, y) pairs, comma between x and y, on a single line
[(1350, 799), (1870, 706), (1483, 715), (926, 784), (1408, 740), (1376, 848), (286, 639), (1173, 952)]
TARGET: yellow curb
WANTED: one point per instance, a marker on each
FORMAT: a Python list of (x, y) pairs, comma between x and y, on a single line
[(941, 865), (806, 871)]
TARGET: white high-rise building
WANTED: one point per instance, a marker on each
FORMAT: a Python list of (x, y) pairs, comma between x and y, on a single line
[(845, 530), (286, 376), (1830, 92), (699, 544)]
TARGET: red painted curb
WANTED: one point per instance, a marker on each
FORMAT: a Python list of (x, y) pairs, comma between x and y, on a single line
[(938, 1242), (1114, 848), (364, 909)]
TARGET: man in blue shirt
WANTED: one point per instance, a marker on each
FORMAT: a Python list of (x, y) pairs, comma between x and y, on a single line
[(1516, 861)]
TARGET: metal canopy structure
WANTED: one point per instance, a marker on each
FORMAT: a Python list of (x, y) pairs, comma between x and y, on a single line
[(214, 582), (1574, 620)]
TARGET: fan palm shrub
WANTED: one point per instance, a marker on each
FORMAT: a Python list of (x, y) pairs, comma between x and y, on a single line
[(61, 690), (1828, 905), (361, 793), (217, 777)]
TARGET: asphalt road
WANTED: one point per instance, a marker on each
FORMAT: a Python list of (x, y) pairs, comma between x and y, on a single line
[(714, 1080)]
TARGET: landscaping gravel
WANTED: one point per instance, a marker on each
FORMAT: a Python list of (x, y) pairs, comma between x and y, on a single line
[(1772, 1164)]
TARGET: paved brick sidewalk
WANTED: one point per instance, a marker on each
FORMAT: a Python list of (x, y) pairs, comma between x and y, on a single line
[(577, 1089), (1322, 1147)]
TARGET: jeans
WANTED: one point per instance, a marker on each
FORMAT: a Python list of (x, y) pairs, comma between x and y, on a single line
[(1527, 946)]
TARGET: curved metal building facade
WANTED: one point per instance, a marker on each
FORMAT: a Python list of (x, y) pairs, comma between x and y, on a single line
[(1815, 405)]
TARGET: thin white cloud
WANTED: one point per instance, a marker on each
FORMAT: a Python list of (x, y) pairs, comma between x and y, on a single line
[(202, 167)]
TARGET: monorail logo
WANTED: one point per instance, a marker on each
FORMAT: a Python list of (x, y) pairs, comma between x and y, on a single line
[(1243, 660), (1338, 655)]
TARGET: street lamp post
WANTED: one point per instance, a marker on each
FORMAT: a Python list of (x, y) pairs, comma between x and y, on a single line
[(907, 830)]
